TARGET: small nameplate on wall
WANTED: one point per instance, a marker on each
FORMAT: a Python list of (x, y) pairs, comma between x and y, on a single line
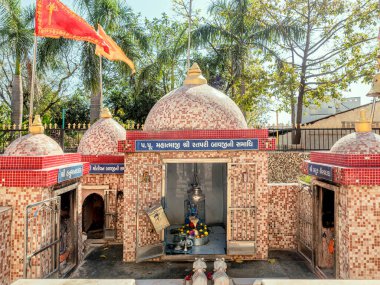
[(107, 168), (196, 145), (321, 171), (71, 172)]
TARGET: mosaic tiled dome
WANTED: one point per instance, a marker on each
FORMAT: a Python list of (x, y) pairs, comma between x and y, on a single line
[(195, 106), (34, 144), (358, 143), (363, 141), (102, 137)]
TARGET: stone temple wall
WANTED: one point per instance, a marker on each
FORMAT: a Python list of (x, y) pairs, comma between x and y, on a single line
[(5, 245), (283, 215), (284, 167), (140, 193)]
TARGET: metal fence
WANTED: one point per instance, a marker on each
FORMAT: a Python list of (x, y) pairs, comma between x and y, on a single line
[(67, 138), (311, 139)]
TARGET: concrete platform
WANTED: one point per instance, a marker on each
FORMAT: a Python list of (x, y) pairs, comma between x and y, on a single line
[(106, 263)]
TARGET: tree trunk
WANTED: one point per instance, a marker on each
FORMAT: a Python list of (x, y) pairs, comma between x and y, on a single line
[(293, 116), (94, 107), (17, 100), (297, 136)]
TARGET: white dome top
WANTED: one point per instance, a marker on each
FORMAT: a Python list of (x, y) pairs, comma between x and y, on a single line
[(358, 143), (33, 145), (102, 138), (195, 106)]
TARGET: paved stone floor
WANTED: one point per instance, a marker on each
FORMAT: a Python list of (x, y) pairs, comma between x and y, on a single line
[(106, 263)]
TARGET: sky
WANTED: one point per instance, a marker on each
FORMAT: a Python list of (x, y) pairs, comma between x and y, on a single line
[(154, 8)]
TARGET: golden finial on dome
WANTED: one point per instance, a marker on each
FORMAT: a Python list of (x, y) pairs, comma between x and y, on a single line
[(375, 89), (105, 114), (363, 125), (36, 127), (194, 76)]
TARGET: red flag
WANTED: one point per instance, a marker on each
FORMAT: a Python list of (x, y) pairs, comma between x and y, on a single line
[(55, 20)]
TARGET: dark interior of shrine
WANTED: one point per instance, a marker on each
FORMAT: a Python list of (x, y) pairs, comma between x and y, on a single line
[(67, 232), (93, 216), (326, 247), (196, 207)]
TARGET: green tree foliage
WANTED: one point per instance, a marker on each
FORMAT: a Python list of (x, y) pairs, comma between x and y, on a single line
[(338, 49)]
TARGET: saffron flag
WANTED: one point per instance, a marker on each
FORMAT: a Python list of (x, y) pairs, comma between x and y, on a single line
[(55, 20), (115, 52)]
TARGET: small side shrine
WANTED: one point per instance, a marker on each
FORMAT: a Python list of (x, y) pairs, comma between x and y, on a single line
[(40, 184), (346, 205), (101, 197), (196, 179)]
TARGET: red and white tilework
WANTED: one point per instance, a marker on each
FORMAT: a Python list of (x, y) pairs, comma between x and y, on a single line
[(195, 107), (102, 138), (358, 143), (33, 145), (282, 215), (5, 245)]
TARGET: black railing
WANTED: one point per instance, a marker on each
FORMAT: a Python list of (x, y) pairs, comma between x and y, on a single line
[(311, 139), (67, 138)]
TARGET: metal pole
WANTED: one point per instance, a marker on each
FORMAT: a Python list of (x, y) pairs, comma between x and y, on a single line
[(101, 83), (63, 118), (33, 81), (189, 35)]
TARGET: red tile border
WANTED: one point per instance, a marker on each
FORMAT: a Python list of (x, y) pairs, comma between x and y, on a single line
[(103, 158)]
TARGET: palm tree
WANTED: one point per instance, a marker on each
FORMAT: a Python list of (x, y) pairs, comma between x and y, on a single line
[(234, 32), (16, 33), (117, 19)]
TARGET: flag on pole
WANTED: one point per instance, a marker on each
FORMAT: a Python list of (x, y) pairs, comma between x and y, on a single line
[(115, 52), (55, 20)]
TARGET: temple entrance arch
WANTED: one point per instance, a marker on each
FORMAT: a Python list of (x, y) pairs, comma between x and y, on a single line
[(93, 216)]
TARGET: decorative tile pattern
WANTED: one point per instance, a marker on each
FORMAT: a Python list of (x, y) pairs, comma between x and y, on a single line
[(284, 167), (5, 245), (38, 162), (199, 107), (33, 145), (102, 138), (358, 143), (283, 215)]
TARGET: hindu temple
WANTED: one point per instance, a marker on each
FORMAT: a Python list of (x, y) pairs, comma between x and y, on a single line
[(194, 182)]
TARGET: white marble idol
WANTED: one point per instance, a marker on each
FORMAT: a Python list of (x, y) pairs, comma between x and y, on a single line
[(199, 267), (220, 276)]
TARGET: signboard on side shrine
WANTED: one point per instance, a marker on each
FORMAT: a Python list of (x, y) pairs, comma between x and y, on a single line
[(70, 172), (196, 145), (107, 168), (321, 171)]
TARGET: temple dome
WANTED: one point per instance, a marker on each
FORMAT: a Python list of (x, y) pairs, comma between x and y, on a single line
[(34, 144), (195, 106), (102, 137), (358, 143), (363, 141)]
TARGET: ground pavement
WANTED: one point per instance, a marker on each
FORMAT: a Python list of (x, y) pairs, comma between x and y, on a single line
[(105, 262)]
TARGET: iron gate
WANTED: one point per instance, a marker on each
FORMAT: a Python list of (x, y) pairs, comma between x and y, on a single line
[(42, 239), (305, 221)]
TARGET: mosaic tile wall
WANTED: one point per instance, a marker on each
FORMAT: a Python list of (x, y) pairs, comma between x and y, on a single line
[(194, 108), (283, 215), (363, 213), (284, 167), (114, 182), (18, 198), (138, 195), (5, 245)]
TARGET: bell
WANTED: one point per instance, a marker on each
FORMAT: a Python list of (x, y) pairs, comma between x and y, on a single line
[(375, 89)]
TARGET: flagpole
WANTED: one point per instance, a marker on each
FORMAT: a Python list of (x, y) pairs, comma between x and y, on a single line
[(189, 40), (101, 83), (33, 81)]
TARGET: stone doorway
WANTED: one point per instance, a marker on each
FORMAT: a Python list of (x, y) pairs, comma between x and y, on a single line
[(93, 216)]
